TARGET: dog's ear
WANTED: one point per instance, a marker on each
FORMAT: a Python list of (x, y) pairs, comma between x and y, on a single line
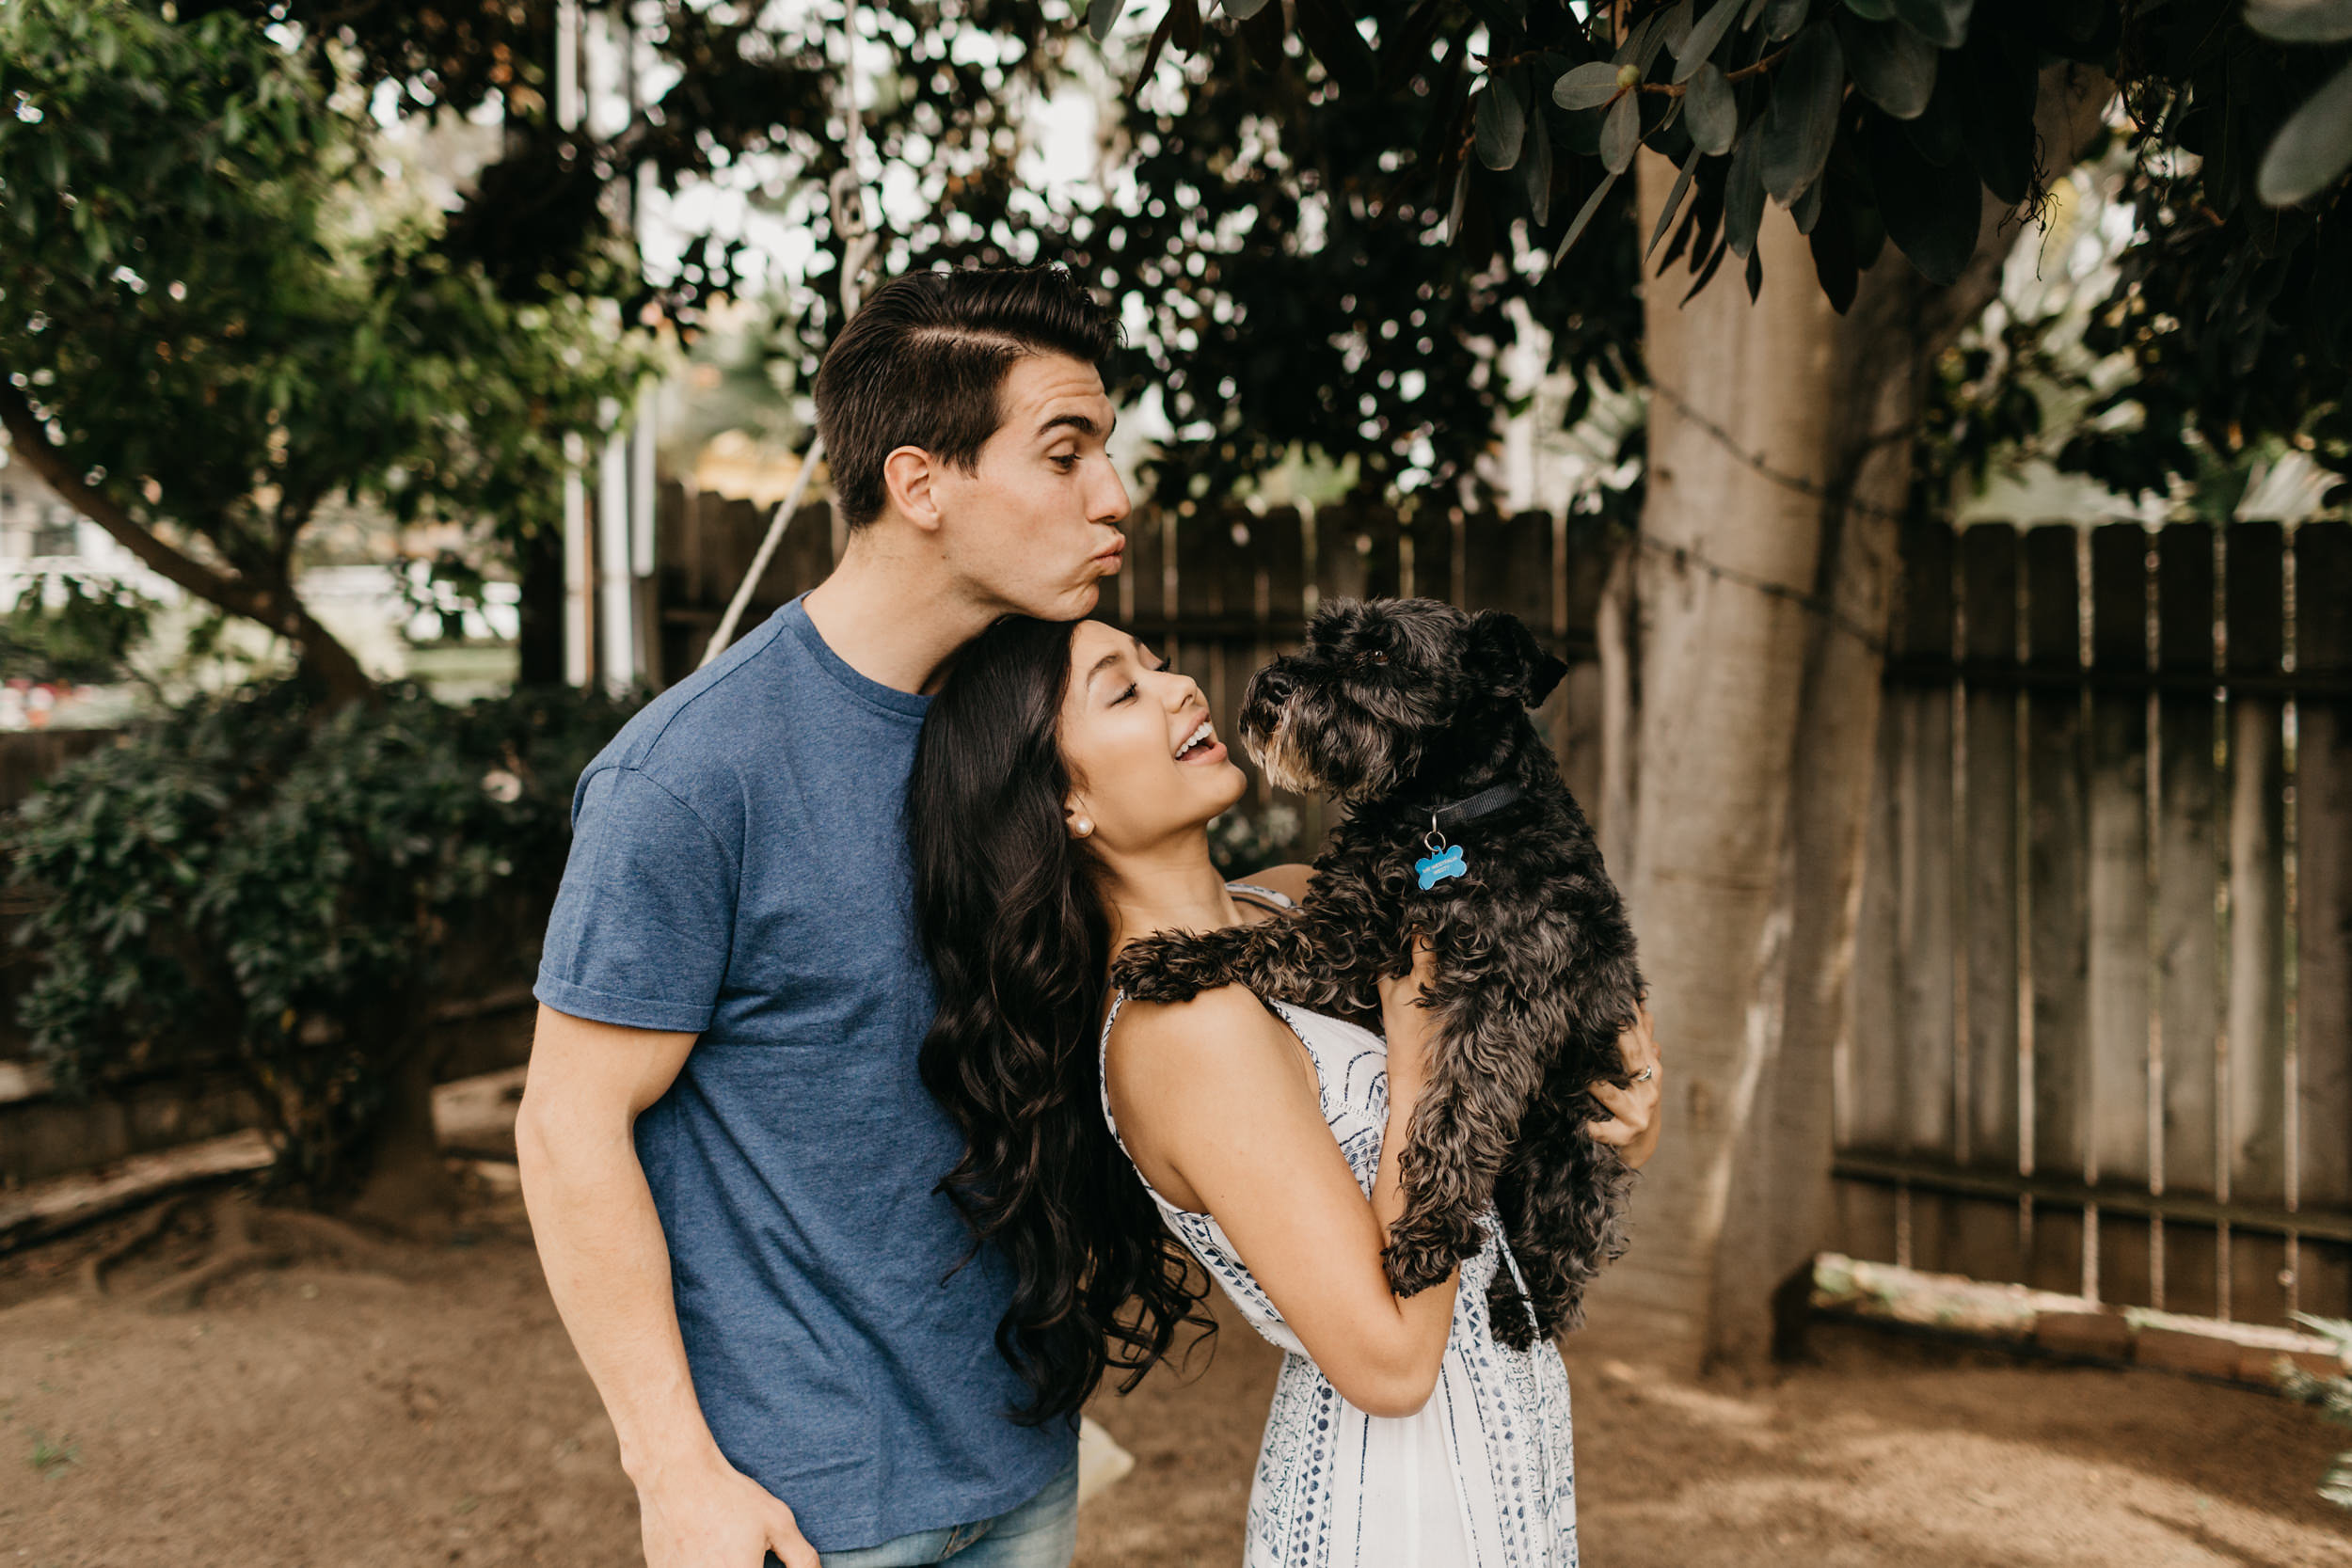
[(1507, 654)]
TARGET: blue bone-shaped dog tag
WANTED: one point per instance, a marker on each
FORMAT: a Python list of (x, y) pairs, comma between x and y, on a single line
[(1437, 867)]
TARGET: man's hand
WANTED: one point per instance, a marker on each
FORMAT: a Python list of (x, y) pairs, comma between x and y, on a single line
[(1631, 1129), (713, 1516)]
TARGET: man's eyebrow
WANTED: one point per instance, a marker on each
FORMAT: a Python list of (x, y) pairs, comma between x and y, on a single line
[(1082, 424)]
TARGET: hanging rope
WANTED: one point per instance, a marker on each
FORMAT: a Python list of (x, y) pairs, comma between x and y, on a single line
[(848, 199)]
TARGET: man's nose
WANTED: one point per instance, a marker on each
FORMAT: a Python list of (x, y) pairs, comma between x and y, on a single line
[(1111, 504)]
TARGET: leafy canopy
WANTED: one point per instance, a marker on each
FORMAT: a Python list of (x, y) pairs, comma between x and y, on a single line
[(211, 313)]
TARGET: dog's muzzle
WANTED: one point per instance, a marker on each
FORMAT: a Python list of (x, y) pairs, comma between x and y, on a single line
[(1269, 732)]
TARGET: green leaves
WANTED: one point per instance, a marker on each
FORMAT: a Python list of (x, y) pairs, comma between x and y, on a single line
[(1501, 124), (1942, 22), (1893, 66), (280, 330), (1743, 193), (1588, 87), (1102, 16), (1709, 112), (1621, 134), (248, 857), (2313, 148), (1705, 35), (1802, 120), (2301, 21), (1932, 210)]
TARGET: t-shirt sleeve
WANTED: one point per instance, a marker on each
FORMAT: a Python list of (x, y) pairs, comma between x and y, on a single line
[(644, 919)]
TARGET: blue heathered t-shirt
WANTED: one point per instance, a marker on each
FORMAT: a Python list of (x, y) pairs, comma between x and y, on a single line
[(738, 868)]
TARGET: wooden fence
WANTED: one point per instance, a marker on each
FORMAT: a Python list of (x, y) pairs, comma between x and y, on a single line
[(2102, 1034), (2100, 1039), (1218, 595)]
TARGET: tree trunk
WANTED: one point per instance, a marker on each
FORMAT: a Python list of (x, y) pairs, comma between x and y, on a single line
[(406, 1189), (323, 658), (539, 562), (1745, 637)]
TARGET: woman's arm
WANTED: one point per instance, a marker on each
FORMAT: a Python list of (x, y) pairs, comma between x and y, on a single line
[(1219, 1105)]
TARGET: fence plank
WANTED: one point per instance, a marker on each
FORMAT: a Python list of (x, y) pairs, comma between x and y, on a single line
[(1584, 545), (1508, 567), (1988, 1244), (806, 553), (1281, 551), (2323, 806), (2117, 1058), (1430, 535), (2256, 1092), (1142, 571), (1867, 1081), (1234, 544), (2056, 896), (2187, 857), (1925, 1042), (1356, 551)]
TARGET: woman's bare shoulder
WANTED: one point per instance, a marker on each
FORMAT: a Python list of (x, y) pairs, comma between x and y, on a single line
[(1225, 1037)]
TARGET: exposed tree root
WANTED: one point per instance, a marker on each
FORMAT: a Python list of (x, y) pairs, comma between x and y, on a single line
[(235, 1250), (328, 1234), (245, 1237), (150, 1225)]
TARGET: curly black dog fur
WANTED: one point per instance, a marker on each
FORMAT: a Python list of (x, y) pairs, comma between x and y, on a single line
[(1396, 708)]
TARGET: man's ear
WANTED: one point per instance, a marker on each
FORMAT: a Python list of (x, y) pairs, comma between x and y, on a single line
[(1509, 655), (910, 477)]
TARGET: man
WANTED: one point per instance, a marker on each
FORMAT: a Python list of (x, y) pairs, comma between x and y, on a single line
[(728, 1156)]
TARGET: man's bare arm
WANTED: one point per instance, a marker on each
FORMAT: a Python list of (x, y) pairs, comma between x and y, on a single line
[(608, 1266)]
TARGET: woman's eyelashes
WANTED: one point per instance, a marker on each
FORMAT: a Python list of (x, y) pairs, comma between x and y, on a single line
[(1135, 688)]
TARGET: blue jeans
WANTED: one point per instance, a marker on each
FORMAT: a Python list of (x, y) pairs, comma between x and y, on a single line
[(1040, 1533)]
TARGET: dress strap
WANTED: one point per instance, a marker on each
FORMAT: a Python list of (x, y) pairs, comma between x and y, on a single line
[(1265, 898)]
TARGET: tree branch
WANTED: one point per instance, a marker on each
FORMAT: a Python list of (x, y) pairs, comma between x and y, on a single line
[(272, 605), (31, 443)]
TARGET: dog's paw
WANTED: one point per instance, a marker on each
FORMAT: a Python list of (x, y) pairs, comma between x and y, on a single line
[(1420, 1257), (1140, 975), (1411, 1272)]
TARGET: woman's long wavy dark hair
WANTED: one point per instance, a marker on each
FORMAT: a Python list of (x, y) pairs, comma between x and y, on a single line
[(1020, 947)]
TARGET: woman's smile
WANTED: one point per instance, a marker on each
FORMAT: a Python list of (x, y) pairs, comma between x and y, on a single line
[(1200, 746)]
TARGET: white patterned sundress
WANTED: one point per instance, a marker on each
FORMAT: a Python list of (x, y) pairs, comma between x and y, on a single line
[(1482, 1476)]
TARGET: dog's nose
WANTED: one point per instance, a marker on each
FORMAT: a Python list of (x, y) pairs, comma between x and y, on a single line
[(1273, 686)]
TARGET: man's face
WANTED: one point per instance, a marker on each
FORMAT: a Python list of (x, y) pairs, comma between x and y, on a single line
[(1034, 529)]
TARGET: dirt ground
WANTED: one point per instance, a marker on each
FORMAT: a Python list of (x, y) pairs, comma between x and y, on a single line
[(434, 1414)]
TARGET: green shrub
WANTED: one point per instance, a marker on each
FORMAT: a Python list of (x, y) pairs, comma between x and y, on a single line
[(255, 881), (2332, 1395)]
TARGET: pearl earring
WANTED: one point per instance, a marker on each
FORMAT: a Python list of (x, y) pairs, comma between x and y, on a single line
[(1083, 826)]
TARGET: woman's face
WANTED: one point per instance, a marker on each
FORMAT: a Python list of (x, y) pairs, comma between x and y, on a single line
[(1143, 762)]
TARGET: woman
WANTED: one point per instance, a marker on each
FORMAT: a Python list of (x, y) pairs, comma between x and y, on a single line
[(1062, 794)]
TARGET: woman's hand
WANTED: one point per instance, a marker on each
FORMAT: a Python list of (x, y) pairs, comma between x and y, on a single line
[(1631, 1129), (1408, 1026)]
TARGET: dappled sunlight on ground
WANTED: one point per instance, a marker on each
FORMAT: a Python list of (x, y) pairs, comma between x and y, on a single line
[(435, 1414)]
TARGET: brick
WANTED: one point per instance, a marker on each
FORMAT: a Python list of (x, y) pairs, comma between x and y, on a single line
[(2259, 1365), (2179, 1351), (2102, 1334)]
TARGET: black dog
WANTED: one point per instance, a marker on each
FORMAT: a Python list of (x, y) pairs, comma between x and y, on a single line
[(1414, 714)]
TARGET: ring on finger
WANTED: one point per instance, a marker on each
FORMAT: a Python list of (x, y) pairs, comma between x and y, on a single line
[(1645, 1075)]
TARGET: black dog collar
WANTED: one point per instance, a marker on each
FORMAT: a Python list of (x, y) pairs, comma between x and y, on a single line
[(1485, 804)]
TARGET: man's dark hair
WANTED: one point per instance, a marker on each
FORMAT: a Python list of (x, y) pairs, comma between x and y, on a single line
[(923, 362)]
